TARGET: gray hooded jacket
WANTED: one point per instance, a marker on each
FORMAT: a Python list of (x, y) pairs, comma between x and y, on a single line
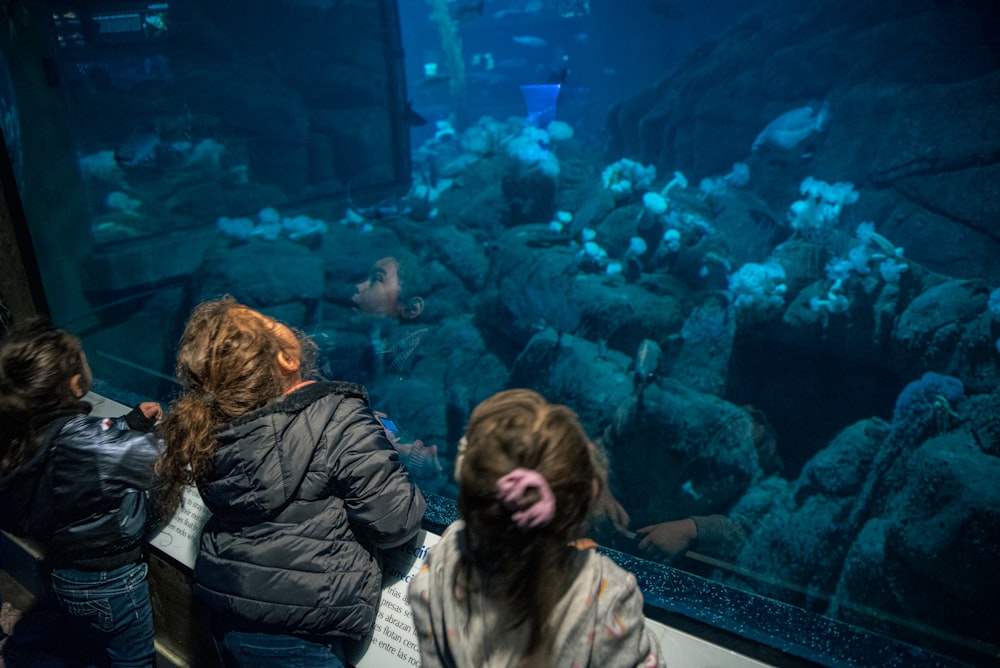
[(601, 625), (304, 493)]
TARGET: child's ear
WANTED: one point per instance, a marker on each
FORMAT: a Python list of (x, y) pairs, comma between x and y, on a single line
[(413, 307), (288, 362), (76, 386)]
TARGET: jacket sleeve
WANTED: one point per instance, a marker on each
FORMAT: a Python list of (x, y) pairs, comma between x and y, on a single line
[(419, 600), (137, 421), (381, 500), (720, 536), (131, 456)]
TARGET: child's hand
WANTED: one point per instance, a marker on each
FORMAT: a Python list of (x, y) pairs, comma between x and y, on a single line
[(151, 410), (667, 540)]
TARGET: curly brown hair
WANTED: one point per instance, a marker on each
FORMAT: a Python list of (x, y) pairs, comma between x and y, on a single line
[(227, 366), (529, 569)]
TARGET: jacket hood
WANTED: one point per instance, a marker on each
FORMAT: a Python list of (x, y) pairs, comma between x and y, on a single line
[(264, 455)]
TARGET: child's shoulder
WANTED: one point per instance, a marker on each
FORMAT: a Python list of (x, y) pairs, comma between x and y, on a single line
[(603, 568), (316, 391), (82, 425)]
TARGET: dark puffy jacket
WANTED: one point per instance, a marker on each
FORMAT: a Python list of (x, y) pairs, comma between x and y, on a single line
[(83, 495), (304, 492)]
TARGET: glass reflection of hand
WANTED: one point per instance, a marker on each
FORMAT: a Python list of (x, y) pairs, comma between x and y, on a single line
[(421, 459), (667, 540)]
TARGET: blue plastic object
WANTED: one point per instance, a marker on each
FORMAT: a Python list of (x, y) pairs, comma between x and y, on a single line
[(541, 101)]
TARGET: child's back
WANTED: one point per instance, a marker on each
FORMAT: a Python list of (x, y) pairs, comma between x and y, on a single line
[(510, 584), (78, 485), (303, 486)]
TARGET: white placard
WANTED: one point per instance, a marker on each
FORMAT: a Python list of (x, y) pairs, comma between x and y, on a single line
[(179, 539), (393, 642)]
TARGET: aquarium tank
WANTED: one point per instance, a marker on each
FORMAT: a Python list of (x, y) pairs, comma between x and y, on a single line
[(754, 244)]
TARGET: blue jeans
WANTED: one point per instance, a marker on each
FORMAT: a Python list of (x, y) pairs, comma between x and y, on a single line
[(114, 609), (241, 649)]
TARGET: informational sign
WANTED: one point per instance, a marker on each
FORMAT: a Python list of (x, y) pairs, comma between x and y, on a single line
[(393, 642), (179, 539)]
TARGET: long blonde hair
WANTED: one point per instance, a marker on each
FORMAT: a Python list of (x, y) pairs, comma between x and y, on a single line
[(530, 569)]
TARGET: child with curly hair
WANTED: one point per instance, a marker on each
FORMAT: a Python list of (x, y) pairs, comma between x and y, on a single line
[(303, 486)]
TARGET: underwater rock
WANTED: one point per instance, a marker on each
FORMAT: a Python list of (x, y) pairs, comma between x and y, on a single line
[(840, 469), (530, 195), (706, 344), (620, 225), (914, 119), (532, 286), (573, 371), (945, 328), (799, 545), (594, 209), (623, 314), (262, 273), (462, 253), (675, 435), (421, 399), (929, 561), (984, 421)]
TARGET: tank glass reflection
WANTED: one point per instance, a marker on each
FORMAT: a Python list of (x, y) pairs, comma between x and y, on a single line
[(752, 245)]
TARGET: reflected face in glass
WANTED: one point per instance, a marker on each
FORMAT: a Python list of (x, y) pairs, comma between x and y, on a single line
[(379, 293)]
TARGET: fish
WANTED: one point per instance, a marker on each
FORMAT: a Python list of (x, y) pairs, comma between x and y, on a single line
[(667, 10), (482, 78), (469, 10), (793, 127), (386, 209), (533, 7), (560, 76), (512, 63), (433, 81), (140, 149), (530, 40), (111, 230), (322, 5), (413, 119), (647, 360)]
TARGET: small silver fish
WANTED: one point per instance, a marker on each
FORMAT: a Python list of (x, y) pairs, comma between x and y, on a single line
[(140, 149), (530, 40), (647, 359)]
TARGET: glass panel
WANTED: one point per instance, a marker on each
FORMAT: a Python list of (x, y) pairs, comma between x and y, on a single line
[(755, 250), (154, 127)]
